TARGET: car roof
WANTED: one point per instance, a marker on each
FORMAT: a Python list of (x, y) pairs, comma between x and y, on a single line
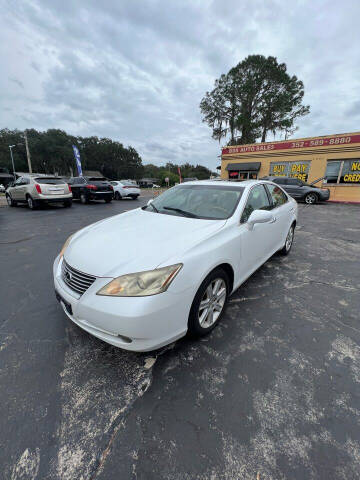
[(243, 184)]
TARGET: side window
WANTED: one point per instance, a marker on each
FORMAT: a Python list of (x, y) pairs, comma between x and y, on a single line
[(278, 197), (26, 181), (257, 200), (294, 181), (281, 181), (19, 181)]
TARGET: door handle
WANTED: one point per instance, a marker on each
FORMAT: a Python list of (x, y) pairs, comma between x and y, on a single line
[(273, 220)]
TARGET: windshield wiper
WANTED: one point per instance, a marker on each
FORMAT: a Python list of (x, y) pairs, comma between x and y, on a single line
[(153, 206), (182, 212)]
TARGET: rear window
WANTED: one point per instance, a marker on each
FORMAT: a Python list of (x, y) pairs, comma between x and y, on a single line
[(49, 181), (96, 179), (129, 183)]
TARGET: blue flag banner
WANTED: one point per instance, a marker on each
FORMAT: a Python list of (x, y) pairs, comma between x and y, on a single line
[(77, 158)]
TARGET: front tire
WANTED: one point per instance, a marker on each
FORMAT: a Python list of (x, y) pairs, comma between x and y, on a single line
[(209, 303), (10, 201), (310, 198), (289, 241)]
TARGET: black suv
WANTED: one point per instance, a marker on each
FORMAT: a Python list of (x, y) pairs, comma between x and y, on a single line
[(300, 190), (91, 188)]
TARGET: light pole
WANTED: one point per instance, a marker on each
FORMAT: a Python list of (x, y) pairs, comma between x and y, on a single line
[(12, 159)]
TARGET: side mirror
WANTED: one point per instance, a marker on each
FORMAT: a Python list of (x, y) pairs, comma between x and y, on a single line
[(259, 216), (150, 201)]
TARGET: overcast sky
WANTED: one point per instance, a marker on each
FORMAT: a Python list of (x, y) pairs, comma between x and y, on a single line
[(135, 71)]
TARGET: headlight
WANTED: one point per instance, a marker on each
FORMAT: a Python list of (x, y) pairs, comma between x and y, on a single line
[(141, 284), (65, 246)]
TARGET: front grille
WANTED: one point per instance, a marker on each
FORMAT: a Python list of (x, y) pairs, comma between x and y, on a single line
[(76, 280)]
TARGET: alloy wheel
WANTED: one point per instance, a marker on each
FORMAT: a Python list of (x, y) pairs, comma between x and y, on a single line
[(310, 198), (30, 203), (212, 303), (289, 239)]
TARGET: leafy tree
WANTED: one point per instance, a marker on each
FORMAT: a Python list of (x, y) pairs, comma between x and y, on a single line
[(52, 152), (255, 97), (173, 178)]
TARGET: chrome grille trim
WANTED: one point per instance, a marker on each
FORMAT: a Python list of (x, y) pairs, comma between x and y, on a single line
[(78, 281)]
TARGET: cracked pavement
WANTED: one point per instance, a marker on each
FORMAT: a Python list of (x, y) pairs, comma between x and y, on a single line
[(272, 393)]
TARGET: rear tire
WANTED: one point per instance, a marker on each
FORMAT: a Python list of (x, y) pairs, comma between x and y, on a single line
[(68, 203), (10, 201), (289, 241), (134, 197), (83, 198), (209, 303), (310, 198), (32, 204), (117, 196)]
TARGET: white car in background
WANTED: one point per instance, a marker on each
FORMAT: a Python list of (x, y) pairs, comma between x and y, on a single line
[(124, 189), (144, 278), (2, 188)]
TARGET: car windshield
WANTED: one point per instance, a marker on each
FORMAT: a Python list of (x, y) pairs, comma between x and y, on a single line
[(198, 201)]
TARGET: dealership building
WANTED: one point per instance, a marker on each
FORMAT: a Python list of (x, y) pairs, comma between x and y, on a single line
[(332, 161)]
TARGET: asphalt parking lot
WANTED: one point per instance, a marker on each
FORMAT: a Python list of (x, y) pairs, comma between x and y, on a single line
[(272, 393)]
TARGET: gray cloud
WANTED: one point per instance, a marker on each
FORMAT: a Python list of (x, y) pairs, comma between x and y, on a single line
[(136, 71)]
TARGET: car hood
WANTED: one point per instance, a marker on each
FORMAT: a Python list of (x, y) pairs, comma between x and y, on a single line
[(135, 241)]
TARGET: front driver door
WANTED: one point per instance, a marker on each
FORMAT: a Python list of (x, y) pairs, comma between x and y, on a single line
[(16, 190), (258, 244)]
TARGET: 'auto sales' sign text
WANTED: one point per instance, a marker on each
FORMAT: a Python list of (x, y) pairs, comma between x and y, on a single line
[(316, 142)]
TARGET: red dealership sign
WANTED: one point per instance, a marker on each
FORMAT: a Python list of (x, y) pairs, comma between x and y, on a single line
[(311, 143)]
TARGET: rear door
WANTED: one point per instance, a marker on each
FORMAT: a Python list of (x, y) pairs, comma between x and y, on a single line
[(282, 208), (294, 187)]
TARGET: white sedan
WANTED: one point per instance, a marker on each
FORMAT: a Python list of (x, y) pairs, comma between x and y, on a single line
[(125, 189), (144, 278)]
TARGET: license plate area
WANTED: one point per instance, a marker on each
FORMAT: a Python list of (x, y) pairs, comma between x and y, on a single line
[(56, 191), (66, 304)]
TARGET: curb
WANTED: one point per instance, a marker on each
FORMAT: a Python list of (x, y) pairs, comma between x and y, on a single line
[(346, 202)]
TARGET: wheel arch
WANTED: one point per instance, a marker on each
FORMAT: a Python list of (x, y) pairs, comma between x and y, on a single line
[(229, 271)]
